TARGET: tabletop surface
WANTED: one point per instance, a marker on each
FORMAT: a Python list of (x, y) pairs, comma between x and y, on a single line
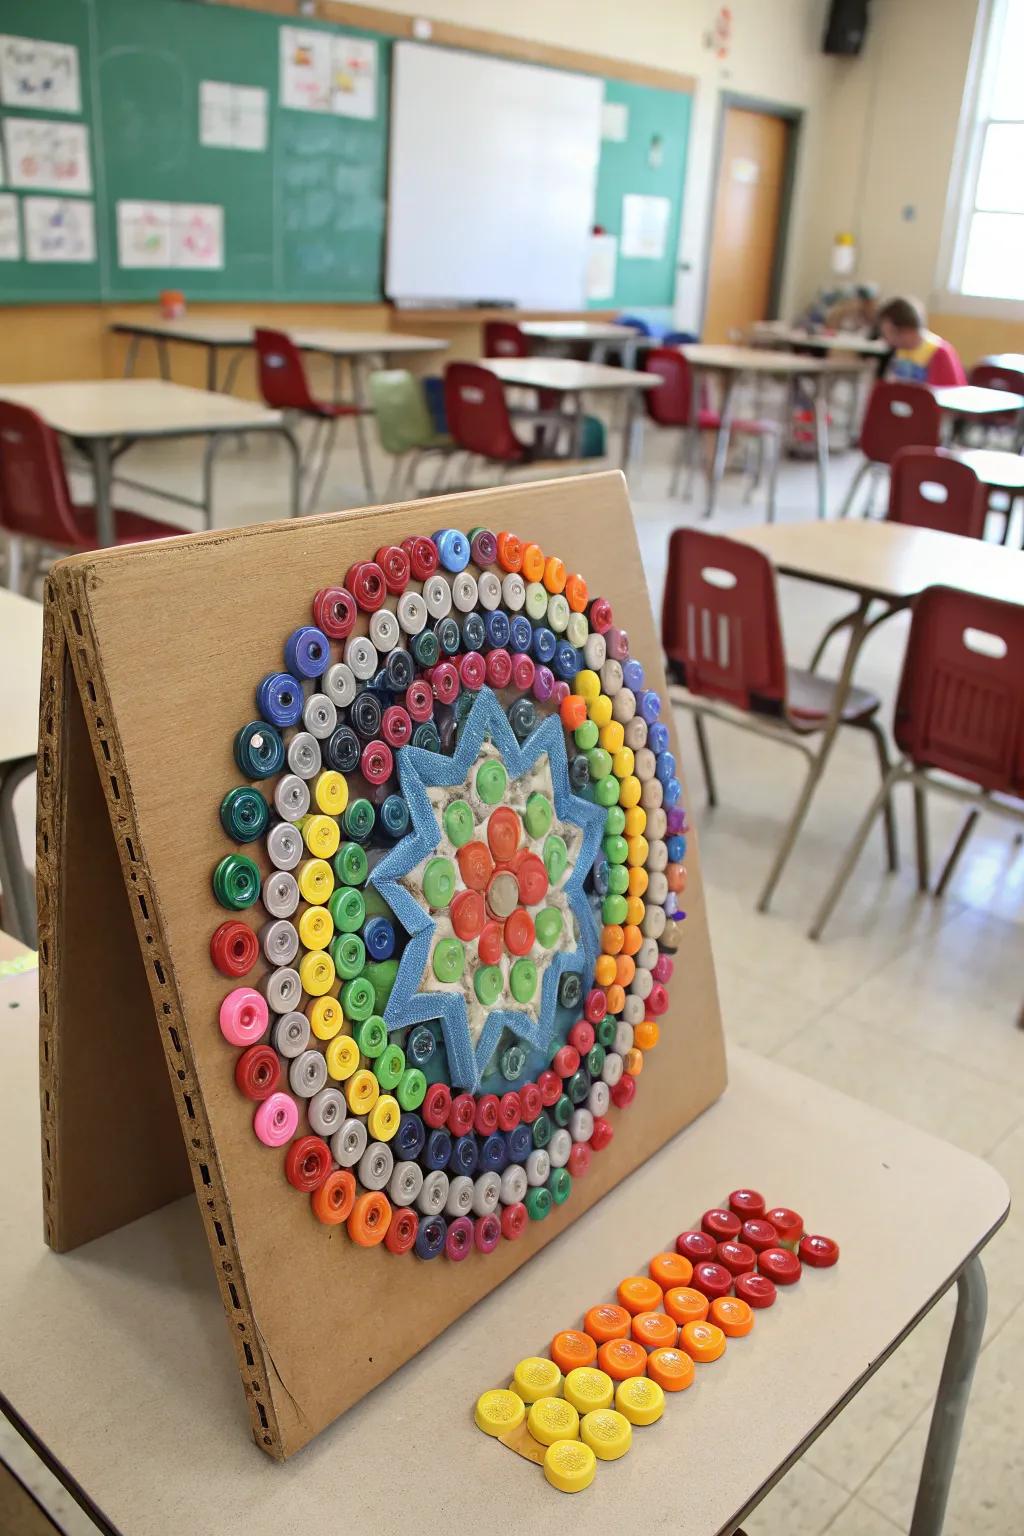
[(1006, 360), (732, 359), (21, 653), (993, 466), (137, 408), (766, 332), (972, 400), (577, 330), (889, 560), (223, 331), (134, 1320), (562, 373)]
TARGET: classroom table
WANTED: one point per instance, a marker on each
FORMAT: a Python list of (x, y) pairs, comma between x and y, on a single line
[(998, 470), (1014, 360), (730, 363), (114, 1362), (880, 562), (597, 335), (972, 402), (21, 650), (103, 418), (571, 380), (766, 333)]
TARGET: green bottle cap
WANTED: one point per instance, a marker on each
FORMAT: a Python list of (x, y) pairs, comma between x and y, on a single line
[(412, 1088), (491, 782), (522, 979), (236, 882), (606, 791), (488, 984), (615, 850), (536, 603), (560, 1185), (358, 819), (426, 648), (613, 909), (600, 763), (372, 1035), (561, 1112), (376, 906), (585, 736), (578, 1087), (595, 1060), (548, 927), (381, 974), (615, 821), (349, 955), (348, 909), (542, 1129), (513, 1061), (605, 1032), (357, 999), (538, 1202), (244, 814), (350, 864), (538, 815), (556, 857), (389, 1067), (448, 960), (570, 990), (458, 823), (439, 883), (618, 879)]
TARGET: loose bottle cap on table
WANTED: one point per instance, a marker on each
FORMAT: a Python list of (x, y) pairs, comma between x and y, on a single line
[(780, 1265), (569, 1466), (499, 1411), (819, 1252), (640, 1400), (608, 1433)]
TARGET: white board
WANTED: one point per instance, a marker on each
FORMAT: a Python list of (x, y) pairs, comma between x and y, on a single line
[(493, 169)]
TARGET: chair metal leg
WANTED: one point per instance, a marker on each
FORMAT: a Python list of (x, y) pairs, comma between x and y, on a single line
[(773, 475), (18, 887), (321, 473), (131, 355), (682, 455), (14, 553), (921, 837), (855, 483), (721, 442), (892, 853), (853, 852), (969, 824), (947, 1424), (705, 757), (833, 629)]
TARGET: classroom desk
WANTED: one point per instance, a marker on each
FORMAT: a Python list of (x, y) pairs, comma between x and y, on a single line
[(106, 417), (571, 380), (1013, 360), (114, 1363), (597, 335), (730, 363), (880, 562), (972, 402), (21, 650), (998, 470), (765, 333)]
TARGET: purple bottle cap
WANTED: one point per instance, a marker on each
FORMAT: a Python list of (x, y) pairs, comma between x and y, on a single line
[(671, 904), (484, 547), (458, 1242), (676, 820), (562, 691), (617, 642), (543, 684)]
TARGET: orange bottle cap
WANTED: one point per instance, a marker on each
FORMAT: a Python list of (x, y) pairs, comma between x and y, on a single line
[(576, 593), (571, 1349), (632, 938), (633, 1061), (510, 552), (607, 1321), (733, 1315), (703, 1342), (672, 1369), (554, 574), (573, 711), (616, 998), (622, 1358), (333, 1201), (686, 1305), (503, 833), (625, 970), (369, 1219), (671, 1269), (655, 1330), (611, 938), (639, 1293), (646, 1035), (604, 970), (533, 562)]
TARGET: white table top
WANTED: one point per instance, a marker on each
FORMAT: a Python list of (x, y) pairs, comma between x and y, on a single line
[(577, 330), (768, 333), (972, 400), (109, 408), (222, 331), (155, 1429), (21, 654), (730, 359), (564, 375), (994, 466), (1006, 360)]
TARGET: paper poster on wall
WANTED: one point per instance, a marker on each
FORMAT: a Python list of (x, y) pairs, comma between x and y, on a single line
[(615, 121), (232, 116), (305, 74), (10, 234), (47, 156), (143, 234), (601, 262), (644, 226), (354, 77), (59, 229), (38, 74), (197, 235)]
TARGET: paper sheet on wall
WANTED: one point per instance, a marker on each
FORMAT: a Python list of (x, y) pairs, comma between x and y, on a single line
[(59, 229), (232, 116), (10, 235), (38, 74), (47, 156), (143, 234), (644, 226), (601, 263), (197, 235), (615, 121), (354, 77), (305, 74)]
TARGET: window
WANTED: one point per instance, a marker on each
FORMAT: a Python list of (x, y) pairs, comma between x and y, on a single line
[(988, 258)]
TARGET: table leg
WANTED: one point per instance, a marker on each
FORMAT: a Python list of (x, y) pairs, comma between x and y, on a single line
[(628, 417), (362, 441), (296, 468), (821, 443), (721, 440), (130, 356), (102, 479), (211, 368), (163, 358), (951, 1401), (19, 896)]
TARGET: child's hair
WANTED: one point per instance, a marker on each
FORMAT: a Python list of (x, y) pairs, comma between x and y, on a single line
[(907, 314)]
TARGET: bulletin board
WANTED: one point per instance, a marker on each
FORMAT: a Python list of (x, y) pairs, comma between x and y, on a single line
[(316, 1321)]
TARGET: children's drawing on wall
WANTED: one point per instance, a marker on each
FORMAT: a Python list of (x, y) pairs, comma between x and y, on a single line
[(38, 74), (354, 77), (10, 234), (305, 79), (59, 229), (197, 235), (47, 156), (143, 234)]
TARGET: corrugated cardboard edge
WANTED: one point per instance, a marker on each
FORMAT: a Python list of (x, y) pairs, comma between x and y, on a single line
[(49, 840)]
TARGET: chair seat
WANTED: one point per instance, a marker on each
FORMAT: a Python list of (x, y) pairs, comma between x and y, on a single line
[(809, 699), (711, 421), (331, 410), (130, 527)]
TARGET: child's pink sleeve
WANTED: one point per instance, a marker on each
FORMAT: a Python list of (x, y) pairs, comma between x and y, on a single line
[(945, 366)]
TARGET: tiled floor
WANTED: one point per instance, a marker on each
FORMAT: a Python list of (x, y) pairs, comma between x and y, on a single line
[(908, 1003)]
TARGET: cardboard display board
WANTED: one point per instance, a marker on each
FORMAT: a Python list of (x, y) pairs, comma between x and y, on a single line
[(150, 658)]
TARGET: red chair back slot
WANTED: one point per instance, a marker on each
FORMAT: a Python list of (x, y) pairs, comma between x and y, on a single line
[(502, 338), (670, 404), (992, 376), (899, 416), (720, 625), (478, 419), (960, 706), (930, 488), (34, 496), (282, 377)]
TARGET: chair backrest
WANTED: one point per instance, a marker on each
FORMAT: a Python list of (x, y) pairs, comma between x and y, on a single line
[(670, 404), (478, 419), (282, 376), (720, 625), (931, 488), (960, 706), (679, 338), (34, 497), (503, 338), (400, 407), (993, 376), (899, 416), (635, 324)]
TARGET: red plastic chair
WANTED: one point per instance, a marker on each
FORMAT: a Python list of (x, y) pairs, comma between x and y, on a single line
[(959, 712), (898, 416), (284, 387), (480, 423), (931, 488), (503, 338), (671, 405), (35, 502), (722, 638)]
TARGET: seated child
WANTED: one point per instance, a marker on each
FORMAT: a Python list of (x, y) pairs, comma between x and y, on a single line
[(919, 356)]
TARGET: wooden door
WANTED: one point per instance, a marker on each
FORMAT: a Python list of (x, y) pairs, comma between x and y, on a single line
[(745, 234)]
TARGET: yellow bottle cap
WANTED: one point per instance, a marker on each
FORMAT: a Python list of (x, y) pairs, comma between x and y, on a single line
[(611, 737), (316, 972), (551, 1419), (326, 1018), (587, 684), (316, 928), (342, 1056), (536, 1377), (569, 1466), (587, 1389), (599, 709), (636, 822), (383, 1118), (608, 1433), (322, 836), (362, 1091), (498, 1411), (315, 880), (622, 762), (640, 1399), (331, 793), (629, 792)]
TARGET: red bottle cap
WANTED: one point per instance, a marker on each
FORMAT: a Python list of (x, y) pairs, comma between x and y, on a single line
[(234, 948), (472, 671), (711, 1280), (596, 1005), (819, 1252), (485, 1121), (722, 1225), (423, 557), (503, 833), (755, 1290), (475, 866), (394, 562), (624, 1092), (603, 1133), (444, 679), (498, 668), (514, 1221), (698, 1247), (759, 1234), (334, 611), (566, 1061), (509, 1112), (419, 699), (377, 763), (737, 1258), (436, 1105), (780, 1265), (523, 672), (468, 915), (532, 876), (788, 1224), (530, 1102), (366, 583), (396, 726), (582, 1036), (462, 1114), (490, 943), (600, 614), (549, 1085), (579, 1159), (744, 1203), (519, 932)]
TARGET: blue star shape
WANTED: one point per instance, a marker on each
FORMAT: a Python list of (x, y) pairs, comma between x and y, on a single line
[(419, 769)]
